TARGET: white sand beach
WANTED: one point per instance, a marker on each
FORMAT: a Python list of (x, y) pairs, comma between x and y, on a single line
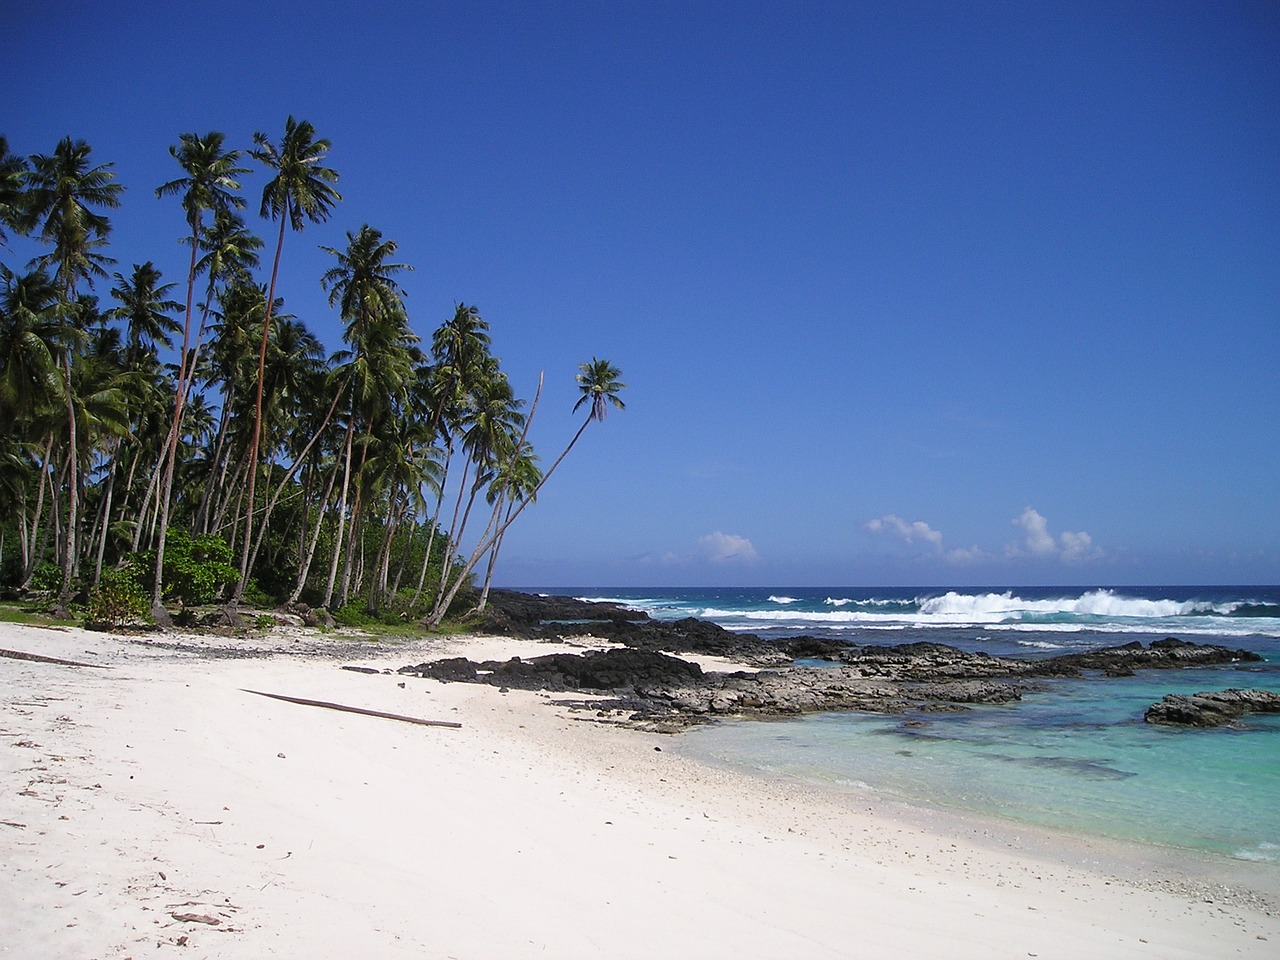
[(149, 806)]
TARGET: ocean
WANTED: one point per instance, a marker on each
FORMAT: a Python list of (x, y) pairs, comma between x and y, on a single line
[(1077, 758)]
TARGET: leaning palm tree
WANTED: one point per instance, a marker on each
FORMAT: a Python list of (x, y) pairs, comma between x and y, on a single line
[(301, 190), (599, 384), (211, 174), (63, 189)]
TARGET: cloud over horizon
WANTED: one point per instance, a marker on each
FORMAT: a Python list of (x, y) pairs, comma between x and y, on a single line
[(917, 531), (727, 548), (1039, 542)]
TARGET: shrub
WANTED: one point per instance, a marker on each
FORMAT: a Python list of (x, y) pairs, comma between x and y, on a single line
[(354, 614), (47, 578), (119, 601), (196, 568)]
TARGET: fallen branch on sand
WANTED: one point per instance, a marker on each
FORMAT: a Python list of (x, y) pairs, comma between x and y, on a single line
[(19, 655), (361, 710)]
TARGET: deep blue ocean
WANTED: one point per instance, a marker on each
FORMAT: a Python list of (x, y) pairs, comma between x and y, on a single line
[(1077, 757)]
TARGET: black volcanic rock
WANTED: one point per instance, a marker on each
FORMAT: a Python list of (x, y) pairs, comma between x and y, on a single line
[(1211, 708), (1169, 653), (647, 680)]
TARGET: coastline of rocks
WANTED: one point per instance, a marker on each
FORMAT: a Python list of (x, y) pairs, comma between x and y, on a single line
[(646, 678)]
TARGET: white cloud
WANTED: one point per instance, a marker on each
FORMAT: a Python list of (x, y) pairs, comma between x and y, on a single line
[(917, 531), (966, 556), (1037, 539), (1078, 546), (1039, 542), (908, 531), (727, 547)]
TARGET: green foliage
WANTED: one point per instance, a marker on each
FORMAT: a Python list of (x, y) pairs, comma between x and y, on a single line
[(47, 578), (196, 568), (119, 601)]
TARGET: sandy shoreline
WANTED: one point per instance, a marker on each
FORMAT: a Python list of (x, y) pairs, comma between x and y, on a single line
[(141, 801)]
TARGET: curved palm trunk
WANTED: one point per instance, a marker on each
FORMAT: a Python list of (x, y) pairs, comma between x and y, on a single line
[(435, 521), (257, 420), (490, 539), (158, 613), (274, 499), (304, 570)]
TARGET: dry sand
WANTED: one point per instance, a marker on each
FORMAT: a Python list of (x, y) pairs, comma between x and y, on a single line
[(152, 808)]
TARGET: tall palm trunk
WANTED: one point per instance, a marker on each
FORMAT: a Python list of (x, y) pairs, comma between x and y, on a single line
[(342, 510), (73, 496), (357, 528), (35, 554), (304, 569), (273, 499), (489, 538), (169, 461), (257, 419)]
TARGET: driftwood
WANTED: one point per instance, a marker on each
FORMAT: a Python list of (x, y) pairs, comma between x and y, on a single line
[(360, 710), (37, 658)]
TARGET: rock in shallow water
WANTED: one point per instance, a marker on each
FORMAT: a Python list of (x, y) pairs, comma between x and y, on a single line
[(1211, 708)]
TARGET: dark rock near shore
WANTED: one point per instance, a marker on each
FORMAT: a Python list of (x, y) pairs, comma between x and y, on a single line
[(1211, 708), (644, 677), (1169, 653)]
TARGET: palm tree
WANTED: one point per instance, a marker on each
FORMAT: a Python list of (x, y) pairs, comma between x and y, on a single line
[(12, 169), (144, 310), (62, 189), (211, 174), (29, 334), (516, 481), (599, 383), (301, 190), (230, 256), (362, 284), (31, 384)]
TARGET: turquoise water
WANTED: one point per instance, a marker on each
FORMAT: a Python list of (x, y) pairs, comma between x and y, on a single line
[(1076, 757)]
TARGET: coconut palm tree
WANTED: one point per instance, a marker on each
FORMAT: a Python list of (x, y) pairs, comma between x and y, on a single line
[(144, 310), (211, 174), (12, 170), (599, 384), (230, 256), (62, 190), (362, 285), (516, 481), (31, 385), (301, 190), (29, 338)]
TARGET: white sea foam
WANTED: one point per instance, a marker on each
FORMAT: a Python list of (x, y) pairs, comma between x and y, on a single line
[(1095, 603), (783, 600)]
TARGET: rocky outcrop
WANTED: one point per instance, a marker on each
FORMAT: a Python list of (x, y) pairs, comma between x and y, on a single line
[(644, 678), (1211, 708), (1169, 653), (655, 686)]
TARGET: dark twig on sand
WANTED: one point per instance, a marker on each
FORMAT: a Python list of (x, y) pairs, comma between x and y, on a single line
[(37, 658), (360, 710)]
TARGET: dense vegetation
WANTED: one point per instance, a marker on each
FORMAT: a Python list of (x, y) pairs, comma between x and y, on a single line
[(182, 443)]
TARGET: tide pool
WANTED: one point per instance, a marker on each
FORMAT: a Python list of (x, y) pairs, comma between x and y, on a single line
[(1077, 757)]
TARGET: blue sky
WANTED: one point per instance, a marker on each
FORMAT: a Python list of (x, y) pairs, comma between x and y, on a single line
[(903, 293)]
